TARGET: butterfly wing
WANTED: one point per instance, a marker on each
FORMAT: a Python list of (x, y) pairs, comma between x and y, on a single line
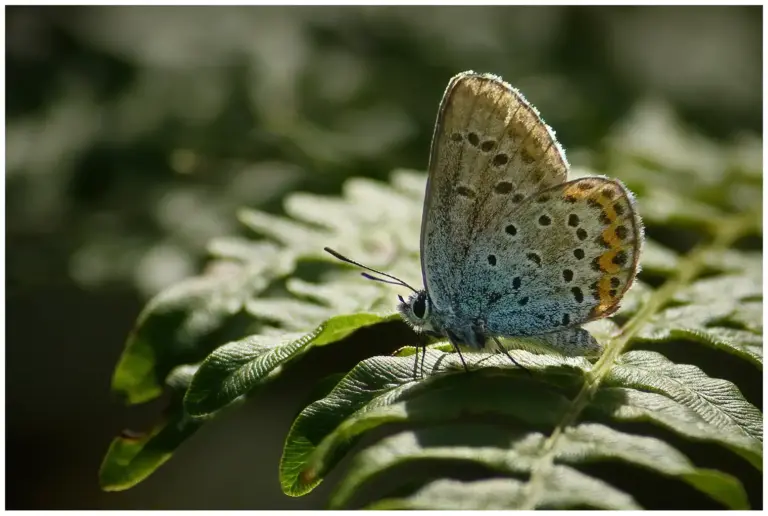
[(562, 257), (490, 148)]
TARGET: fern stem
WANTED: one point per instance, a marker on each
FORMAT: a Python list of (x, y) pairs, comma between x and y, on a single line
[(725, 233)]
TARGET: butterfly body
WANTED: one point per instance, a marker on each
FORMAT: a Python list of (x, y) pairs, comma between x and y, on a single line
[(509, 246)]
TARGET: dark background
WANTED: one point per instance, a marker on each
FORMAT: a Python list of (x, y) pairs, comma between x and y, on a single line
[(133, 134)]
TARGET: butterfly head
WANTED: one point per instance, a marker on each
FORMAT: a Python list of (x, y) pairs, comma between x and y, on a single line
[(416, 310)]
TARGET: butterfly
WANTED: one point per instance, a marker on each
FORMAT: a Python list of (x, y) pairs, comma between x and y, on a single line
[(509, 246)]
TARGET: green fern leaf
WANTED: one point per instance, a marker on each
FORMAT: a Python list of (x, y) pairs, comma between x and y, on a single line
[(514, 453), (131, 458), (565, 488), (543, 440), (235, 369), (383, 391)]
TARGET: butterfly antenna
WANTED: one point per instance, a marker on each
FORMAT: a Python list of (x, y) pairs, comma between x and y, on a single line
[(504, 350), (382, 280), (397, 281)]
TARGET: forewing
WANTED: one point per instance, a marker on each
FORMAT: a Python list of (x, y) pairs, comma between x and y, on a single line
[(490, 150), (561, 258)]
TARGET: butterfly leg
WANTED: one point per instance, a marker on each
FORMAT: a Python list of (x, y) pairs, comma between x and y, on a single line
[(422, 344), (455, 344), (504, 350), (416, 361)]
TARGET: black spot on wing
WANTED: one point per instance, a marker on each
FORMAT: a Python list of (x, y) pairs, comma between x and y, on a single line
[(535, 258), (465, 191), (503, 187), (499, 160), (487, 145)]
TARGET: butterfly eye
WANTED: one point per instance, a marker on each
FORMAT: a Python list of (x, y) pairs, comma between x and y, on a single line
[(420, 306)]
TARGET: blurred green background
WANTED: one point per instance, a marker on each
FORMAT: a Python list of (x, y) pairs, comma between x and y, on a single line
[(133, 134)]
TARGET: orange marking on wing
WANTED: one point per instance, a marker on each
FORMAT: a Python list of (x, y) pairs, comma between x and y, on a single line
[(609, 233), (606, 261), (615, 244), (607, 303), (608, 210), (609, 236), (604, 291), (576, 193)]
